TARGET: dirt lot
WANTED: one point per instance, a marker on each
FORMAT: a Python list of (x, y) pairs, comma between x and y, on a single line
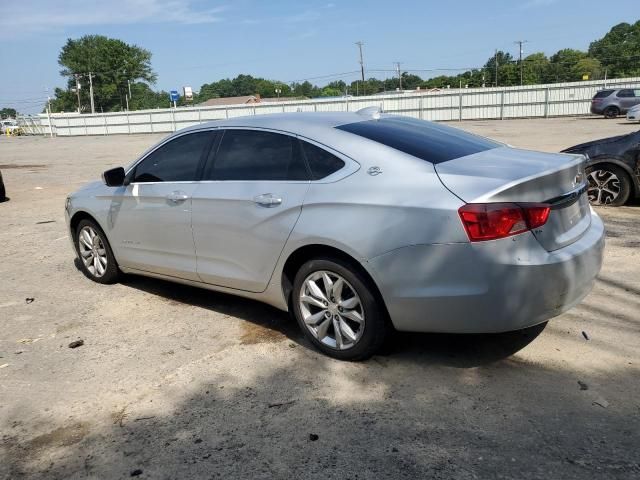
[(176, 382)]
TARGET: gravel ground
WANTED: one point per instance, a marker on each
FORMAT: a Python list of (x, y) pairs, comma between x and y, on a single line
[(177, 382)]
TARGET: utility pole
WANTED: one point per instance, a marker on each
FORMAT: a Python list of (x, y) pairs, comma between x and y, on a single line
[(129, 85), (360, 44), (496, 62), (78, 89), (93, 108), (520, 43), (49, 112), (397, 64)]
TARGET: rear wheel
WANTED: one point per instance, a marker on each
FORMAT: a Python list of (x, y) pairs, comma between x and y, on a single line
[(608, 185), (337, 309), (96, 258), (611, 112)]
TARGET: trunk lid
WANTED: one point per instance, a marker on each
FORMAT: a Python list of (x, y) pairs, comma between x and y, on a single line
[(512, 175)]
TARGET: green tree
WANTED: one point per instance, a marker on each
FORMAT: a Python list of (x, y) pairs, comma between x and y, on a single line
[(587, 66), (535, 68), (112, 63), (506, 71), (619, 50), (8, 113), (563, 63)]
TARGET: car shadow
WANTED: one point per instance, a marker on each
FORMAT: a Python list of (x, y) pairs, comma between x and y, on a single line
[(266, 324), (460, 350)]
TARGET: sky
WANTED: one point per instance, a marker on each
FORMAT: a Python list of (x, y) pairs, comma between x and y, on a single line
[(201, 41)]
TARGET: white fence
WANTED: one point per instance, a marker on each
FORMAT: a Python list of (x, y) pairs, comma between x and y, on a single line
[(561, 99)]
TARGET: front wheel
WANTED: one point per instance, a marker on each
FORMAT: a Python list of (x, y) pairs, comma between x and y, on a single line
[(608, 185), (336, 308), (96, 258)]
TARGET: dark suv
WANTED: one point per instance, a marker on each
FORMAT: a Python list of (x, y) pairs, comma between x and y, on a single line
[(612, 103)]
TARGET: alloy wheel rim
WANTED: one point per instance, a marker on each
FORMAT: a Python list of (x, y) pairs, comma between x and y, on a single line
[(604, 187), (332, 310), (92, 251)]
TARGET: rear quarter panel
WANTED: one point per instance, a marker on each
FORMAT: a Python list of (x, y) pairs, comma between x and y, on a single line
[(367, 215)]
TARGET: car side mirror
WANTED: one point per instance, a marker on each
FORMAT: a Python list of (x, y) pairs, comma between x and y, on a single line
[(114, 177)]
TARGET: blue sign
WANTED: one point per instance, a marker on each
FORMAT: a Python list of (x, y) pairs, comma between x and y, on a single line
[(173, 95)]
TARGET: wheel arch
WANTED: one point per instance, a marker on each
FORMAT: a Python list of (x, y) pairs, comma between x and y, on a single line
[(78, 216), (307, 252), (75, 220), (635, 181)]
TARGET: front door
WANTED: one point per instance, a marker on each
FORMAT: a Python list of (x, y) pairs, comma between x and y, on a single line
[(246, 207), (150, 220)]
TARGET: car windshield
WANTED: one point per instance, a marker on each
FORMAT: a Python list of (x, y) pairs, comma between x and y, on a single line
[(426, 140)]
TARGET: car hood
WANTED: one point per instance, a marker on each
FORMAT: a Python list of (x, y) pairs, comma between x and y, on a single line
[(603, 141), (89, 189)]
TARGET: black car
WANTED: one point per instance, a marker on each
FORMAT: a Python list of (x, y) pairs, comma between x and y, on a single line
[(613, 168), (3, 193)]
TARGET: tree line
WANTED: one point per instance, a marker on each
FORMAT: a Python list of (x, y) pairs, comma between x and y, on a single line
[(121, 74)]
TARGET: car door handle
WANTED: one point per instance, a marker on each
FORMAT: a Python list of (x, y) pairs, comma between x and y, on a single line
[(267, 200), (177, 197)]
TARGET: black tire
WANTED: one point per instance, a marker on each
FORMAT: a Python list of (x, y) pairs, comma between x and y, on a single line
[(623, 180), (375, 318), (111, 271), (611, 112)]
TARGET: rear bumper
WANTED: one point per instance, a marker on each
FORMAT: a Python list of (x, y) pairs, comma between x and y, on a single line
[(486, 287), (597, 109)]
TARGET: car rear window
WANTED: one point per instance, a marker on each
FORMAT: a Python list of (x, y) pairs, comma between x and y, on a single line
[(428, 141), (603, 94)]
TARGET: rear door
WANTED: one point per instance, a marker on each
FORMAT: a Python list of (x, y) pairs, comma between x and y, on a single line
[(251, 196), (151, 218)]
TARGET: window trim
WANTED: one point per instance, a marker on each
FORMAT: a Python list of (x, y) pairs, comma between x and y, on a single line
[(131, 169), (350, 165), (213, 154)]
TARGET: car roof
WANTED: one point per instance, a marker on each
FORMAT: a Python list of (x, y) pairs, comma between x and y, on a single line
[(307, 124)]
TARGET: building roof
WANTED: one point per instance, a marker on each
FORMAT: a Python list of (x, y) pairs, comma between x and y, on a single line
[(245, 99)]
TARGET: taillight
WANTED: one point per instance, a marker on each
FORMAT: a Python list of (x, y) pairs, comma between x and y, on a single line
[(490, 221)]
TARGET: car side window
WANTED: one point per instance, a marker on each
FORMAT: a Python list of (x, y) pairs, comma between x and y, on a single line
[(321, 162), (637, 93), (625, 93), (257, 155), (175, 161)]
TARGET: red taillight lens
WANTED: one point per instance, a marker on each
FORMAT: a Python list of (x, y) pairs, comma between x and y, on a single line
[(490, 221), (537, 214)]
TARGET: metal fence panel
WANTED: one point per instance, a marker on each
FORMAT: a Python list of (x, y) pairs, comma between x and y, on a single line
[(560, 99)]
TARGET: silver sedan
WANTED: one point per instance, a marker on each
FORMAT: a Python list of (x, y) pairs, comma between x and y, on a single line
[(355, 222)]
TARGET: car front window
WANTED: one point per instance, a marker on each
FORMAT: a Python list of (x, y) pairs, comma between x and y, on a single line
[(175, 161)]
